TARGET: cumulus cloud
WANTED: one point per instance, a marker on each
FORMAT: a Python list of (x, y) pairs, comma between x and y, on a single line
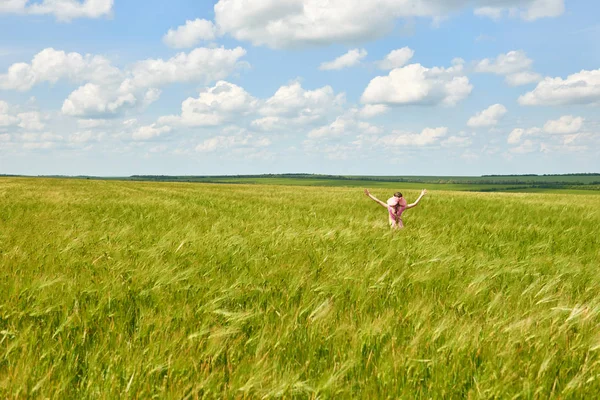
[(51, 65), (92, 100), (528, 146), (560, 134), (91, 123), (214, 106), (37, 141), (505, 64), (523, 78), (267, 123), (149, 132), (415, 84), (488, 117), (350, 59), (543, 9), (241, 139), (108, 91), (457, 141), (190, 34), (345, 125), (491, 12), (31, 121), (140, 88), (373, 110), (292, 105), (294, 23), (7, 118), (396, 58), (427, 137), (11, 117), (527, 10), (63, 10), (291, 108), (515, 66), (579, 88), (199, 65), (84, 137), (517, 134), (566, 124)]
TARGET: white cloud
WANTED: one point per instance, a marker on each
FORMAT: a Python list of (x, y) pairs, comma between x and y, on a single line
[(63, 10), (10, 117), (543, 9), (523, 78), (515, 66), (7, 117), (267, 123), (85, 137), (92, 100), (200, 65), (488, 117), (528, 146), (51, 65), (12, 6), (91, 123), (415, 84), (38, 141), (242, 139), (566, 124), (151, 96), (579, 88), (158, 149), (396, 58), (517, 134), (294, 105), (31, 121), (108, 91), (149, 132), (457, 141), (373, 110), (558, 135), (529, 10), (350, 59), (190, 34), (291, 107), (38, 145), (214, 106), (427, 137), (505, 64), (294, 23), (491, 12), (344, 125)]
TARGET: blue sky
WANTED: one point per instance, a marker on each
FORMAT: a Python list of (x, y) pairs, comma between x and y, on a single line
[(387, 87)]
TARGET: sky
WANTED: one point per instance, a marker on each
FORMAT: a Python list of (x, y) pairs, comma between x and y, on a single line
[(351, 87)]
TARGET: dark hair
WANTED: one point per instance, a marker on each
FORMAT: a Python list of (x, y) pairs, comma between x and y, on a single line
[(397, 194)]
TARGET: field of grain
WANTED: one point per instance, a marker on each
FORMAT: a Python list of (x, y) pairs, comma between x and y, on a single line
[(171, 290)]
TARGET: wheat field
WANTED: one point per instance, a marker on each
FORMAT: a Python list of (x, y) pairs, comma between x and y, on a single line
[(182, 291)]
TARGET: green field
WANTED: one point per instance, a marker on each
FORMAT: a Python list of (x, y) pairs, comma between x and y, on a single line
[(121, 289), (582, 183)]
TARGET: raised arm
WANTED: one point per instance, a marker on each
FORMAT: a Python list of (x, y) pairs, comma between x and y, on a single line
[(375, 199), (423, 193)]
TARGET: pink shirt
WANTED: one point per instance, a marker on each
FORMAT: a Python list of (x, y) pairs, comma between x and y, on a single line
[(400, 211)]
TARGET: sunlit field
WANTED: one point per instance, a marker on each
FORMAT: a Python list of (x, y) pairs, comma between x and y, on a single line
[(185, 290)]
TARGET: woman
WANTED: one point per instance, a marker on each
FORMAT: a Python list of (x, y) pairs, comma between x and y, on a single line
[(396, 206)]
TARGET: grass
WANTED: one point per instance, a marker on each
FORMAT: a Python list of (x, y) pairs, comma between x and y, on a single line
[(574, 184), (169, 290)]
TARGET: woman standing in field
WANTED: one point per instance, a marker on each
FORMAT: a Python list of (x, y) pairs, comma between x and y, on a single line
[(396, 206)]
